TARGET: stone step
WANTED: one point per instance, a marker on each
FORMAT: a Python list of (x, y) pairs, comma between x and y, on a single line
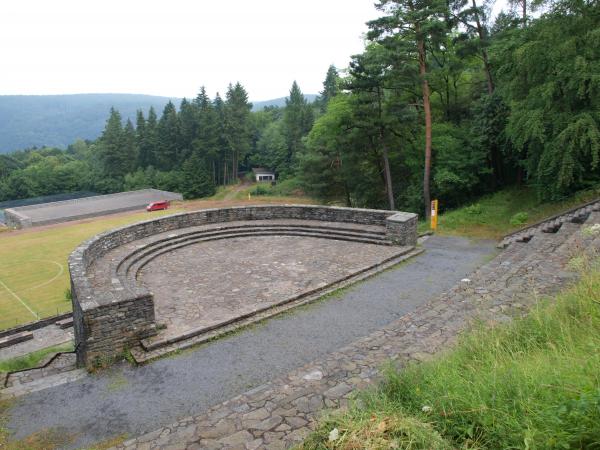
[(16, 338), (65, 323), (128, 276), (143, 256), (339, 232)]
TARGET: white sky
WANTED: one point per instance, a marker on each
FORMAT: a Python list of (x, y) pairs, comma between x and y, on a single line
[(172, 47)]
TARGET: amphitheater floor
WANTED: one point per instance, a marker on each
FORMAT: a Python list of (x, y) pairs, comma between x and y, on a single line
[(212, 283)]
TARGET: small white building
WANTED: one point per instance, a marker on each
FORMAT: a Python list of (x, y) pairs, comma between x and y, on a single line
[(261, 174)]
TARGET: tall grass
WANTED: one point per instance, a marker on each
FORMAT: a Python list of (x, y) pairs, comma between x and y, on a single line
[(533, 384)]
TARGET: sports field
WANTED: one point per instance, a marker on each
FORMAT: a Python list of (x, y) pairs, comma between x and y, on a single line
[(33, 266), (34, 276)]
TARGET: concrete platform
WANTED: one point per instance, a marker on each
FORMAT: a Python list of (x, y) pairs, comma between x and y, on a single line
[(67, 210)]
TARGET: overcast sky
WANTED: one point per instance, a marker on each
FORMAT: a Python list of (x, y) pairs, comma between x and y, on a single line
[(172, 47)]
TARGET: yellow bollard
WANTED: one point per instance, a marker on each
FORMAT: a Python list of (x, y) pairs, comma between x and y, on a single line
[(434, 214)]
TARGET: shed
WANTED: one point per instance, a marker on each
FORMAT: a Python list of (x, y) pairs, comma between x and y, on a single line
[(261, 174)]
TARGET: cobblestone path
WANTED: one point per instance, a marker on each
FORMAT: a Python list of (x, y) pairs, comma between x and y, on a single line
[(135, 400), (279, 413)]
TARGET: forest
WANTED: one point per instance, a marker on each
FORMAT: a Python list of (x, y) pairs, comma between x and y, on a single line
[(443, 102)]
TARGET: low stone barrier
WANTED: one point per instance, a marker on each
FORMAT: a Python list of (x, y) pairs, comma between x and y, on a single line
[(109, 321)]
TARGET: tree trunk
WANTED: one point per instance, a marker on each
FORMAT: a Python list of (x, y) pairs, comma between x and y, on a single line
[(427, 111), (524, 7), (486, 62), (388, 174)]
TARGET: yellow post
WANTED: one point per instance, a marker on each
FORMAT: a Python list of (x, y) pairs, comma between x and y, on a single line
[(434, 214)]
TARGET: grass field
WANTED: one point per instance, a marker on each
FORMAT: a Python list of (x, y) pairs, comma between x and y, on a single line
[(33, 262)]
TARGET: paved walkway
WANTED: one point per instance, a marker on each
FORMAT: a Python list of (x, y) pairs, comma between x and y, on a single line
[(138, 400)]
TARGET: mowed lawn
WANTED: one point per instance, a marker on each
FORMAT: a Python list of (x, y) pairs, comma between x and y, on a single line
[(34, 276)]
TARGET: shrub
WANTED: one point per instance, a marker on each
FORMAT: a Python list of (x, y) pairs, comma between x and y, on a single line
[(519, 218)]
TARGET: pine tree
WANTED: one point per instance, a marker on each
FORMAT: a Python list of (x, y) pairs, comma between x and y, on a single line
[(206, 145), (412, 28), (168, 135), (297, 119), (188, 128), (238, 133), (331, 87), (130, 149), (114, 159), (140, 136), (221, 142), (197, 180)]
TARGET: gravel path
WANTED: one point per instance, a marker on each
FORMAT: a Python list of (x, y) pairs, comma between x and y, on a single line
[(136, 400)]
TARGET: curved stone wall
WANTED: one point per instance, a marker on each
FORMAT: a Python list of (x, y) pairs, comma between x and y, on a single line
[(116, 316)]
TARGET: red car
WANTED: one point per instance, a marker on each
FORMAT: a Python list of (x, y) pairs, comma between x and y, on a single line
[(158, 206)]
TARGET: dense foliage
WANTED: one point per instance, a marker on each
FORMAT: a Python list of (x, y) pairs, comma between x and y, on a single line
[(442, 103)]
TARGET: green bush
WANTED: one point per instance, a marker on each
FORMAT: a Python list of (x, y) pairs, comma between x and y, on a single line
[(519, 218), (474, 210), (260, 189)]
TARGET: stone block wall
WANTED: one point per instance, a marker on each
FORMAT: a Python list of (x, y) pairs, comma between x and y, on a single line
[(109, 321)]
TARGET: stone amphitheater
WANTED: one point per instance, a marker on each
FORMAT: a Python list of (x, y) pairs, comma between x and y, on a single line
[(148, 263), (177, 281)]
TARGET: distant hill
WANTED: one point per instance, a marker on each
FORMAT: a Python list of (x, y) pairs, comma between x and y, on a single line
[(280, 102), (59, 120)]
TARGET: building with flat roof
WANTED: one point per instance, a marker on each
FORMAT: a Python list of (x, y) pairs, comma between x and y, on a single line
[(261, 174)]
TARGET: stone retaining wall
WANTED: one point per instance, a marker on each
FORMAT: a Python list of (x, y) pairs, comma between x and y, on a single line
[(110, 321)]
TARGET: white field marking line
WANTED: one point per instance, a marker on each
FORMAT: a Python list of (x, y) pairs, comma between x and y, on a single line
[(61, 269), (20, 300)]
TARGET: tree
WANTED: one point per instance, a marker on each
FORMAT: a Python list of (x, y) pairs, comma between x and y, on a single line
[(475, 38), (550, 80), (188, 128), (297, 122), (130, 148), (331, 87), (197, 180), (207, 143), (168, 134), (147, 139), (410, 28), (238, 133), (115, 153)]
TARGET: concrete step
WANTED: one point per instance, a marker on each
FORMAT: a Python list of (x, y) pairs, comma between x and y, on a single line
[(16, 338), (65, 323)]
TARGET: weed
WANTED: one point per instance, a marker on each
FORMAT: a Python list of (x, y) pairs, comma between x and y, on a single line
[(32, 359)]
